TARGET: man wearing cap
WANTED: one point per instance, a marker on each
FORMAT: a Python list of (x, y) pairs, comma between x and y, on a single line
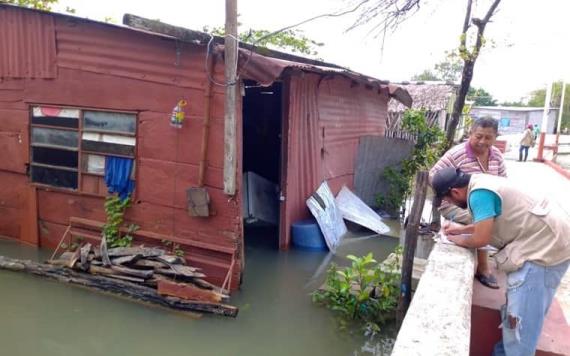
[(532, 234), (476, 155)]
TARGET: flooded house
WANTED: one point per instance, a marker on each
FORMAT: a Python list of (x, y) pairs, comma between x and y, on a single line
[(87, 106)]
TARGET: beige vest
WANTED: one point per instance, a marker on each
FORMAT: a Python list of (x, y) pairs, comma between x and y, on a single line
[(530, 228)]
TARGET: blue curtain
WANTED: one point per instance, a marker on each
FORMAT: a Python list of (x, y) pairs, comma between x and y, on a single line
[(118, 175)]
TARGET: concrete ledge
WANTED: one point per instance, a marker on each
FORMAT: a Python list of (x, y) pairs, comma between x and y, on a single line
[(439, 319)]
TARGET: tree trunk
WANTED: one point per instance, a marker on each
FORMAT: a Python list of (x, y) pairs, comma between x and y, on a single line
[(466, 77), (469, 64)]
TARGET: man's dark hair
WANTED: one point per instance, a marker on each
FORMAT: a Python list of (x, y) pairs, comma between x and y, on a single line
[(485, 122)]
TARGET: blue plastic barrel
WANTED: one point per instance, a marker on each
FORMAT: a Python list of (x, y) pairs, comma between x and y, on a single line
[(306, 234)]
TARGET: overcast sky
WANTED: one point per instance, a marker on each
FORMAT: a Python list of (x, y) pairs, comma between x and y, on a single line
[(530, 38)]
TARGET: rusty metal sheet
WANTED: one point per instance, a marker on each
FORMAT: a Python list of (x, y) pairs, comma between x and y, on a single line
[(347, 112), (27, 44), (327, 118), (94, 47), (265, 70), (304, 169)]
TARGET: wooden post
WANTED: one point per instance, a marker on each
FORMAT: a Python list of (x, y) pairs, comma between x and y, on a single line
[(539, 155), (230, 60), (410, 243)]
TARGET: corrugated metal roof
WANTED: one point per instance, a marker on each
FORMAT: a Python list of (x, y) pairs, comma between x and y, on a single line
[(27, 44), (265, 70)]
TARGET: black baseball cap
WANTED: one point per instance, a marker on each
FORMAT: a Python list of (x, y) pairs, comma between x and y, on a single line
[(447, 178)]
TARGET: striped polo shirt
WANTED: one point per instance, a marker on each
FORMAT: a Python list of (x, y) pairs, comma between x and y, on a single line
[(462, 156)]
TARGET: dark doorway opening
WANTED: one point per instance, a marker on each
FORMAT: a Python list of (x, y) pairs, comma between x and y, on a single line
[(262, 134)]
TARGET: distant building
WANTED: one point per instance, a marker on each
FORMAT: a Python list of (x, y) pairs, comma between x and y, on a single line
[(513, 119)]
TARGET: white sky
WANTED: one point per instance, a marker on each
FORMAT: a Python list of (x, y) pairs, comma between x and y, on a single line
[(531, 37)]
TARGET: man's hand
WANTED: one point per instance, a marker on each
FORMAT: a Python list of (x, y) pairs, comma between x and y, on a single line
[(458, 240), (481, 235), (451, 228)]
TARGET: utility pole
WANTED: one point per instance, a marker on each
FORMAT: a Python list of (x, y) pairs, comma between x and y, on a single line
[(544, 125), (230, 63), (560, 114)]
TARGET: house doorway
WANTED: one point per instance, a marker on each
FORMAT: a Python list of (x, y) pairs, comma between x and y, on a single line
[(262, 159)]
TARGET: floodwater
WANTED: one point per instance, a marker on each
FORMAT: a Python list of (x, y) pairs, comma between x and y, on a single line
[(276, 317)]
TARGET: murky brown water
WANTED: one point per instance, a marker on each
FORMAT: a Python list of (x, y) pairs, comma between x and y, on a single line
[(276, 316)]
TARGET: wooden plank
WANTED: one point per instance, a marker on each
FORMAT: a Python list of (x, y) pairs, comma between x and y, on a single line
[(118, 287), (97, 225), (150, 264), (29, 228), (141, 251), (180, 271), (109, 272), (188, 291), (125, 259), (144, 274), (171, 260)]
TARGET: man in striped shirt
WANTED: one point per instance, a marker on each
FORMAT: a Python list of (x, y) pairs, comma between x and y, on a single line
[(476, 155)]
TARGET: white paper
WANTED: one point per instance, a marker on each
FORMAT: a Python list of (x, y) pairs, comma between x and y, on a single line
[(442, 237)]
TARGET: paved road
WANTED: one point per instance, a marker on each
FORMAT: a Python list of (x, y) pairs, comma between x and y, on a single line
[(563, 159)]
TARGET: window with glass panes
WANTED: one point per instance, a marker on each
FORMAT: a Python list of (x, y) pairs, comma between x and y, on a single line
[(69, 146)]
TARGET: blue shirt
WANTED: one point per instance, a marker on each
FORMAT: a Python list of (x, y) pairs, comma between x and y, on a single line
[(484, 204)]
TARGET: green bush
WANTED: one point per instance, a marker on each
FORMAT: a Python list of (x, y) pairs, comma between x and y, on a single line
[(429, 146), (366, 291)]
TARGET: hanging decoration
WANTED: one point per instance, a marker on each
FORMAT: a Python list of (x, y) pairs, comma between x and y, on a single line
[(177, 116)]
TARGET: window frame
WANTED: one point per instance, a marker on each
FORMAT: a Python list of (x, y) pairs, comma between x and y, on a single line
[(80, 151)]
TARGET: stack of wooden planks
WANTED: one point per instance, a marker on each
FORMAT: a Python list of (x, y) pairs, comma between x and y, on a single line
[(143, 273)]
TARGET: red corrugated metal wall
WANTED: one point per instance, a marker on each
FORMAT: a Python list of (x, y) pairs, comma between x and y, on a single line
[(327, 116), (106, 67), (27, 45)]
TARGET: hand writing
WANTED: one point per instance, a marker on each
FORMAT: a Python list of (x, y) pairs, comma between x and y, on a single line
[(453, 229)]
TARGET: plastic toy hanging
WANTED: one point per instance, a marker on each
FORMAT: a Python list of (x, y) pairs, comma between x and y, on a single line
[(177, 116)]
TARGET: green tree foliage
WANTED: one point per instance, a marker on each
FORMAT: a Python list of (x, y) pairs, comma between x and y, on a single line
[(519, 103), (426, 75), (538, 96), (480, 97), (448, 70), (292, 40), (34, 4)]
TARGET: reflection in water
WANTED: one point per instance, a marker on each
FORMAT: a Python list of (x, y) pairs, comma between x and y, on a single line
[(276, 315)]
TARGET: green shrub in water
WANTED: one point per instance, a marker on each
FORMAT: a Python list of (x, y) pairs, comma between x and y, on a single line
[(365, 291)]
